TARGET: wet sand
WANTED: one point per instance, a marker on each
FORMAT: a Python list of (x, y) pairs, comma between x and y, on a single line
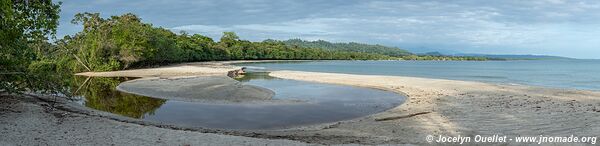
[(433, 107), (221, 89)]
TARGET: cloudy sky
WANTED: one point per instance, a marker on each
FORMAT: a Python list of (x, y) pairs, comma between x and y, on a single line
[(553, 27)]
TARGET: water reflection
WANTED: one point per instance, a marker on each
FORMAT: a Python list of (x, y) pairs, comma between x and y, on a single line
[(101, 94), (321, 103), (254, 76)]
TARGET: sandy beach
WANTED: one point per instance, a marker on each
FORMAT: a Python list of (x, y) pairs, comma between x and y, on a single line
[(30, 121), (183, 69), (466, 108), (433, 107)]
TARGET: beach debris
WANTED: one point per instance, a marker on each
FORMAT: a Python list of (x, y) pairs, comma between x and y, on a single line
[(401, 117)]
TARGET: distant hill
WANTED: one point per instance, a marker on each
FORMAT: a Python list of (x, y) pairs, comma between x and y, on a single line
[(432, 54), (515, 57), (424, 50), (349, 47)]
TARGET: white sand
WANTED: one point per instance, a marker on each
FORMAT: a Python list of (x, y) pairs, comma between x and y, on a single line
[(185, 69), (218, 68)]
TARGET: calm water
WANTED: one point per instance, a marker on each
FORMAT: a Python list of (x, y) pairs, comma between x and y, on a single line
[(316, 103), (576, 74)]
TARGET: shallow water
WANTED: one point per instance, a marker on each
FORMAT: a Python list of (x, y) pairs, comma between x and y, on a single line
[(317, 103), (568, 73)]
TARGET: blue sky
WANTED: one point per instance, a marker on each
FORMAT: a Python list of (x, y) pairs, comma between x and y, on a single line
[(552, 27)]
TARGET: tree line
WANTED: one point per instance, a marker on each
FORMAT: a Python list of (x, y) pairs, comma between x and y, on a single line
[(122, 42)]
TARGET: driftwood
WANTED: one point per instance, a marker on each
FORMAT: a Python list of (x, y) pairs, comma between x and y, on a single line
[(401, 117)]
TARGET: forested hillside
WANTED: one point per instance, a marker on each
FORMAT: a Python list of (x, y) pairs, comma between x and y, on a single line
[(349, 47), (394, 52), (515, 57)]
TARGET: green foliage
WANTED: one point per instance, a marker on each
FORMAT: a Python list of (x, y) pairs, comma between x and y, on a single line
[(24, 29), (349, 47), (122, 41)]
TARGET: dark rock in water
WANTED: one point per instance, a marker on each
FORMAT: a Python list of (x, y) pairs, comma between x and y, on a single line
[(235, 73), (197, 89)]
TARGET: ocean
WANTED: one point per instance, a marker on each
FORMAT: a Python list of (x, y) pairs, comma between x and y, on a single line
[(568, 73)]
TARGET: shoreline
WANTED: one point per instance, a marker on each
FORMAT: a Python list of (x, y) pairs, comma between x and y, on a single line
[(211, 68), (432, 107)]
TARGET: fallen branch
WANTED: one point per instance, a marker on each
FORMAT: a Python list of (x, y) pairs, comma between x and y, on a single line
[(79, 60), (401, 117)]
